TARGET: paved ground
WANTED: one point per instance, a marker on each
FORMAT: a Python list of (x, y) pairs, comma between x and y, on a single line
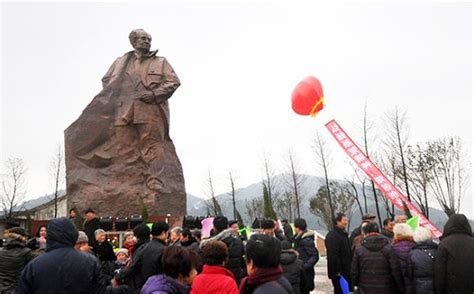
[(322, 284)]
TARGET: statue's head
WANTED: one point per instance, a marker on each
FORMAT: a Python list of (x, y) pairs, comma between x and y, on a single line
[(140, 40)]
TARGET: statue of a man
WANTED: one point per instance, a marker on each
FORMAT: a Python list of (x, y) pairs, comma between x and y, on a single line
[(119, 150), (136, 90), (147, 81)]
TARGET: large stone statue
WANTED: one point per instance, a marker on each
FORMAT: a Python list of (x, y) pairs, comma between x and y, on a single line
[(119, 150)]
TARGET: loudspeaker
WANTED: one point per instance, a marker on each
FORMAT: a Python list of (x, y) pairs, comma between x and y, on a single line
[(135, 220), (121, 224), (189, 222), (105, 223)]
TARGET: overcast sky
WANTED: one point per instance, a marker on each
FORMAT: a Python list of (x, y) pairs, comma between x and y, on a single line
[(238, 64)]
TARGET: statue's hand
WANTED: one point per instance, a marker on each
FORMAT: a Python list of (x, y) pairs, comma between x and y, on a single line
[(147, 97)]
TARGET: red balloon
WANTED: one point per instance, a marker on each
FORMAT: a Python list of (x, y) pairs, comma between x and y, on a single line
[(308, 97)]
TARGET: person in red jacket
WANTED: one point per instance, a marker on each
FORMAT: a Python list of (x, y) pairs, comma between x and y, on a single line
[(215, 278)]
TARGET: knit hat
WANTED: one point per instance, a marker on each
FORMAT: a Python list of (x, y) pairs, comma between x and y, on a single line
[(122, 250), (82, 238), (220, 223)]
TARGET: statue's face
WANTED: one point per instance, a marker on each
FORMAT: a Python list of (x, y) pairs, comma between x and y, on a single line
[(142, 41)]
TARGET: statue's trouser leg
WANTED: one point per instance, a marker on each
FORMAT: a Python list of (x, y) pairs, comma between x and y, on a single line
[(151, 145)]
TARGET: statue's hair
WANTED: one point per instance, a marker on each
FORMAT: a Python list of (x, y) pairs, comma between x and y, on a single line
[(133, 35)]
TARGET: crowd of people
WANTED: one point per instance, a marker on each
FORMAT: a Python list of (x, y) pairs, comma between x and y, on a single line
[(400, 259), (61, 259), (274, 259)]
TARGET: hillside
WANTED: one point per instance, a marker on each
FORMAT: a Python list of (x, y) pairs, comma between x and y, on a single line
[(197, 206)]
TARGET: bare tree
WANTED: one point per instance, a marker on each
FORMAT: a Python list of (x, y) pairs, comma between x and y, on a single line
[(392, 170), (323, 159), (232, 193), (284, 205), (449, 172), (294, 182), (367, 127), (362, 179), (397, 143), (13, 185), (212, 204), (270, 182), (254, 208), (419, 176), (354, 193), (319, 204), (58, 174)]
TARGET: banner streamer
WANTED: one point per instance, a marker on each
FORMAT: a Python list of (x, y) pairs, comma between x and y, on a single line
[(374, 173)]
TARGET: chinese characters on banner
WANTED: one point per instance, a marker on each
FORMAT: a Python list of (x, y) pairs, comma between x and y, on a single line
[(387, 188)]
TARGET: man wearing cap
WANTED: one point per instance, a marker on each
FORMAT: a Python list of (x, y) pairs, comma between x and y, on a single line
[(14, 256), (62, 269), (366, 218), (91, 225)]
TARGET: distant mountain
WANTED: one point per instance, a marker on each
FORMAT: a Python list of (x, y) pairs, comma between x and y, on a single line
[(197, 206)]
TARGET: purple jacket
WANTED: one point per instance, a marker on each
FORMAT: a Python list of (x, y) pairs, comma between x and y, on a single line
[(401, 250), (163, 284)]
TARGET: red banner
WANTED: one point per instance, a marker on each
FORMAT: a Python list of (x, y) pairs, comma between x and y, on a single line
[(374, 173)]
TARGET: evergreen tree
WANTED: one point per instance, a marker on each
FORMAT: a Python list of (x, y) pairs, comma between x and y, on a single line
[(239, 219), (268, 211), (143, 210)]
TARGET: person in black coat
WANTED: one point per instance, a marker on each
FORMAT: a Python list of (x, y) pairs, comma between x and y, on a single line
[(102, 248), (292, 266), (133, 275), (235, 247), (62, 269), (151, 264), (91, 225), (454, 270), (288, 231), (308, 253), (420, 262), (14, 257), (263, 265), (375, 268), (339, 254)]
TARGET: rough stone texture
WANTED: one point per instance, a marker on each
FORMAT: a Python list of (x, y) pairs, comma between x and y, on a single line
[(119, 149)]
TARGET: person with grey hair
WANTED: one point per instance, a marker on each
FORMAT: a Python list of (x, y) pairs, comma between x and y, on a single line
[(175, 236), (402, 245), (420, 262), (102, 248)]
